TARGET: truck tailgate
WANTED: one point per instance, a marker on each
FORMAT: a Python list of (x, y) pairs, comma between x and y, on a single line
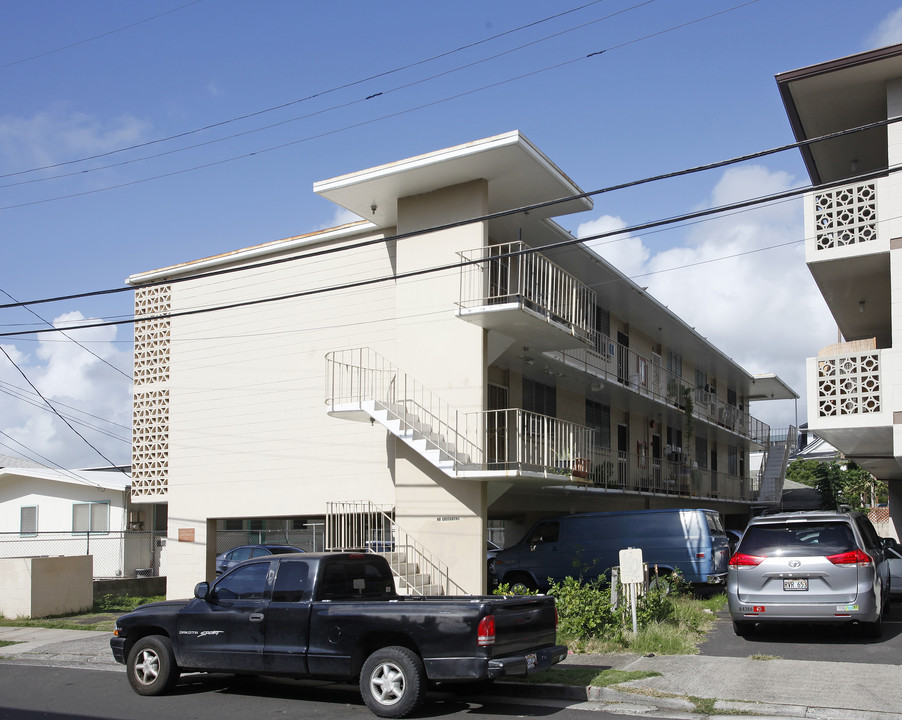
[(523, 624)]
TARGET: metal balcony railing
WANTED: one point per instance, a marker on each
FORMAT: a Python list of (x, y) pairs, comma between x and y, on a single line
[(613, 362), (628, 472), (509, 442), (498, 274), (527, 442)]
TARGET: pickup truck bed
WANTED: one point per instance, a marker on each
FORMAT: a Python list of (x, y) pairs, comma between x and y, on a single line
[(336, 616)]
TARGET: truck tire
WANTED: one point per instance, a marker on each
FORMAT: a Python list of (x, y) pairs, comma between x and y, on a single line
[(151, 666), (393, 682)]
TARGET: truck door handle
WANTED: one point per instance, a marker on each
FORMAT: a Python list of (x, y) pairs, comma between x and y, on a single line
[(256, 617)]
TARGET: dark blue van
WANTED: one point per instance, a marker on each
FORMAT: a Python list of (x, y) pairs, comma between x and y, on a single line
[(588, 545)]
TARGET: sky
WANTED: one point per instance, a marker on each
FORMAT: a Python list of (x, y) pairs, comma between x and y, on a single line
[(134, 136)]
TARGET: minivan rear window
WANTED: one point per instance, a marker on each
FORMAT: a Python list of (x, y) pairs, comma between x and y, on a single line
[(798, 539)]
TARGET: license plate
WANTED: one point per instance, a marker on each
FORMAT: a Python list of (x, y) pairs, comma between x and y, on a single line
[(795, 584), (531, 661)]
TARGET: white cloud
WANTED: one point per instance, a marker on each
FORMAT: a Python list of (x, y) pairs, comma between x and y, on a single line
[(888, 32), (58, 135), (741, 281), (94, 397), (340, 217)]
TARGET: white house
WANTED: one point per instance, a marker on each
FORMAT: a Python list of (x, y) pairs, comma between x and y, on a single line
[(50, 512)]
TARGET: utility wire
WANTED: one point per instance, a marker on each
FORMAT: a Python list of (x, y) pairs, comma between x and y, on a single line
[(57, 413), (482, 218), (97, 37), (517, 253), (322, 111), (70, 338), (370, 121), (312, 96)]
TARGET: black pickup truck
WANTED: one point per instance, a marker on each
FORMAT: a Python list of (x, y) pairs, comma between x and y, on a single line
[(336, 616)]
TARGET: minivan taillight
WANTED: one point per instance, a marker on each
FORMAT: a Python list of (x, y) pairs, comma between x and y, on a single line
[(485, 633), (854, 558), (743, 560)]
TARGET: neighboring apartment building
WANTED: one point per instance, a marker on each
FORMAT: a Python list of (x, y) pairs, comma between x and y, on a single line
[(853, 247), (519, 380)]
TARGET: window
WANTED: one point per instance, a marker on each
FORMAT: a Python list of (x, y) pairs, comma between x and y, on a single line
[(91, 517), (245, 583), (28, 521), (292, 582), (234, 524), (598, 417), (539, 398), (675, 363)]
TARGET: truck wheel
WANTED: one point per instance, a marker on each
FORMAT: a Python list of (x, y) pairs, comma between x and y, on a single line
[(392, 682), (151, 666)]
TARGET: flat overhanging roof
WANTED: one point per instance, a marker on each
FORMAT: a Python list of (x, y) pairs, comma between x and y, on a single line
[(768, 386), (518, 174), (839, 95)]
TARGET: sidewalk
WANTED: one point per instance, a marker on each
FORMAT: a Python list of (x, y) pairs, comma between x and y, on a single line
[(741, 686)]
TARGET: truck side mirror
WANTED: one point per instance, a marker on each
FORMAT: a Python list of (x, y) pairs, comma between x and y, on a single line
[(201, 590)]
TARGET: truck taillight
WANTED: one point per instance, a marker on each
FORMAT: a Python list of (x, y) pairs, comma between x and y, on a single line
[(485, 634)]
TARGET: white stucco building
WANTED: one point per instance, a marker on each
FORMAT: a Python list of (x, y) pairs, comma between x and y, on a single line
[(455, 374), (853, 247)]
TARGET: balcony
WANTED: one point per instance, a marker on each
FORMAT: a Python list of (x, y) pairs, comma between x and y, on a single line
[(524, 295), (615, 363), (847, 247), (512, 444), (849, 405)]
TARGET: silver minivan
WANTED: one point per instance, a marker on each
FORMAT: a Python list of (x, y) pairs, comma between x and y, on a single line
[(813, 566)]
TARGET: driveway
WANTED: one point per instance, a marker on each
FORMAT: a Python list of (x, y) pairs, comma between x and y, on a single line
[(843, 643)]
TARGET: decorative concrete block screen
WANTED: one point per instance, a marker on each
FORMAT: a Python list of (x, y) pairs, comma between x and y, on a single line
[(45, 586), (845, 216), (848, 384)]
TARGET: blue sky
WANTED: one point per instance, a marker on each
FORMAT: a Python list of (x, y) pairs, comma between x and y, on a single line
[(676, 84)]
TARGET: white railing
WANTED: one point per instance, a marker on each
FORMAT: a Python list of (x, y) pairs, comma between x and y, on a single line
[(361, 375), (517, 439), (614, 362), (366, 527), (511, 273)]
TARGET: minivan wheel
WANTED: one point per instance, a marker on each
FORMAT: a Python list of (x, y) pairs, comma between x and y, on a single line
[(743, 629)]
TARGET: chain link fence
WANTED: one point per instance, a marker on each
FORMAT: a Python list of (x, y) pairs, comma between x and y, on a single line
[(115, 554)]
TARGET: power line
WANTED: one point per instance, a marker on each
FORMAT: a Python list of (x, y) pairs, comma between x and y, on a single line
[(451, 266), (371, 121), (55, 411), (97, 37), (482, 218), (312, 96), (322, 111)]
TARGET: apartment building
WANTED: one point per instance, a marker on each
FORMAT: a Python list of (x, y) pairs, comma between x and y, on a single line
[(853, 240), (449, 363)]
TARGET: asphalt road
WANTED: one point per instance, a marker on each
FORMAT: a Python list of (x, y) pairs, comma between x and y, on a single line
[(810, 642), (51, 693)]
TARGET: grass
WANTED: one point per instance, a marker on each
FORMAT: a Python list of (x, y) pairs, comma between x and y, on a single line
[(680, 635), (102, 617)]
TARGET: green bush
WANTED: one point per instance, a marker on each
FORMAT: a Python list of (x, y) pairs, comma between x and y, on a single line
[(584, 608)]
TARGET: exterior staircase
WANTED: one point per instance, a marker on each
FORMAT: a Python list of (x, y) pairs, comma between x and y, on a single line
[(773, 474), (366, 527)]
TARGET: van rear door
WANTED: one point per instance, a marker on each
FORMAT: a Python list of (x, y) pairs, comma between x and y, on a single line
[(720, 544)]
